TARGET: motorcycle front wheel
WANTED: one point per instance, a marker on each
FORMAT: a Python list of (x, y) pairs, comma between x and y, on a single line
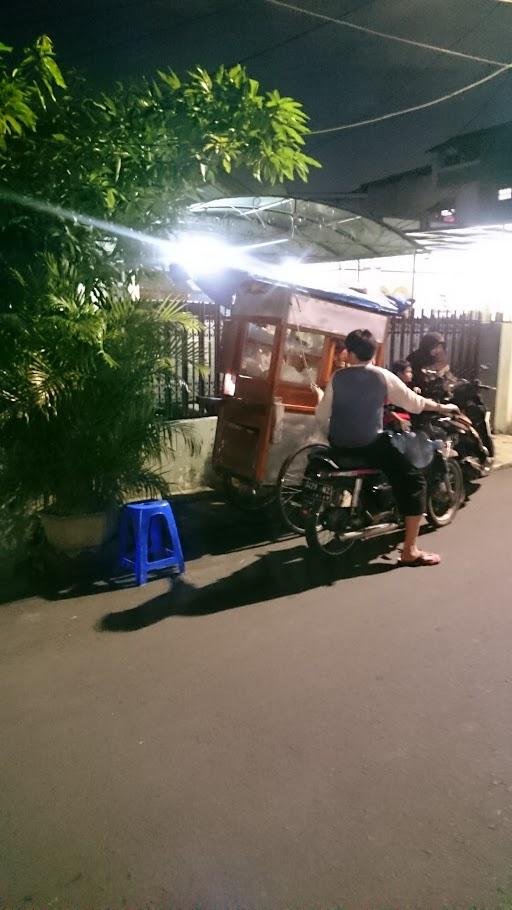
[(445, 496), (324, 536)]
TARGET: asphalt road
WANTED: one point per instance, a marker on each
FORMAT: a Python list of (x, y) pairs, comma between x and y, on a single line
[(264, 736)]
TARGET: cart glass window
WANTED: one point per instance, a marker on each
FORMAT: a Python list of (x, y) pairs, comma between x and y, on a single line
[(302, 355), (257, 350)]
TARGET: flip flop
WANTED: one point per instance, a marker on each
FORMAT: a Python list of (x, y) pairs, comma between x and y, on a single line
[(424, 559)]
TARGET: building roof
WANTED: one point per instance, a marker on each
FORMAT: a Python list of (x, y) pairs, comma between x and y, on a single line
[(422, 171), (310, 231), (487, 131), (426, 169)]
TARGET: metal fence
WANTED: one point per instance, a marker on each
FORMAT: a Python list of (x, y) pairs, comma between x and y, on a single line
[(195, 358), (195, 355), (461, 331)]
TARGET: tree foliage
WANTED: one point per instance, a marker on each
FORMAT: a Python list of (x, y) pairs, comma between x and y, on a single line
[(143, 149), (77, 357), (26, 88)]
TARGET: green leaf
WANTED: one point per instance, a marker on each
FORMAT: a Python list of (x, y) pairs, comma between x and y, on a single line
[(253, 87), (54, 71), (170, 79), (15, 125), (110, 199)]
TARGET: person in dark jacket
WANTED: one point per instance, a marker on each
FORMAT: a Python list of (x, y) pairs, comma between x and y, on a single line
[(430, 354)]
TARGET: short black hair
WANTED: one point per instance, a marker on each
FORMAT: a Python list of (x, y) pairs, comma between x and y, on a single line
[(361, 343), (339, 346), (400, 365)]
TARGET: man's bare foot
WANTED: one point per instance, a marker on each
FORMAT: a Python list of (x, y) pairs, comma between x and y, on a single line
[(419, 558)]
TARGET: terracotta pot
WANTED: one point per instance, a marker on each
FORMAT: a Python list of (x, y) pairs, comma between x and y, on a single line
[(70, 533)]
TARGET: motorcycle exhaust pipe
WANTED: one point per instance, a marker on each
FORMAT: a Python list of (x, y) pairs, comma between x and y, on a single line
[(373, 531), (385, 528)]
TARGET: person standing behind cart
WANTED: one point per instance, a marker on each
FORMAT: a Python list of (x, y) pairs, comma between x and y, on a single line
[(339, 362)]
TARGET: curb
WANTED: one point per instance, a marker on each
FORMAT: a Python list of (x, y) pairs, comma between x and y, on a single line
[(501, 466)]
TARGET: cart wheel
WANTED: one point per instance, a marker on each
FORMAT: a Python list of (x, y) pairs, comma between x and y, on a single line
[(247, 497), (289, 486)]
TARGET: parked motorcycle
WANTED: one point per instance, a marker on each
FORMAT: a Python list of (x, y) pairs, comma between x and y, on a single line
[(467, 396), (344, 500), (469, 432)]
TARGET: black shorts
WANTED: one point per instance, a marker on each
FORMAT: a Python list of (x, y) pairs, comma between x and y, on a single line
[(407, 482)]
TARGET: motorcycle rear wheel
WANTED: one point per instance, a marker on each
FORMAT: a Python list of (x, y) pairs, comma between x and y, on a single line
[(322, 540), (289, 486), (442, 504)]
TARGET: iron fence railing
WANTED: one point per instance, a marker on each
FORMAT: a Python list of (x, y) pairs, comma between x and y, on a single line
[(461, 331), (195, 361)]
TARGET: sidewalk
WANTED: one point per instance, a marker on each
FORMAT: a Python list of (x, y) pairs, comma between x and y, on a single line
[(503, 450)]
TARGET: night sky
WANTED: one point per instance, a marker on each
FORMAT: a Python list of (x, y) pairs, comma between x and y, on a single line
[(339, 75)]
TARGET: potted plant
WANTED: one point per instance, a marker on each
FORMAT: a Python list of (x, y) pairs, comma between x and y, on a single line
[(82, 432)]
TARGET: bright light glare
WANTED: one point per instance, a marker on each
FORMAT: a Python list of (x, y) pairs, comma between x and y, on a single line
[(288, 270), (229, 386), (207, 254), (199, 255), (474, 277)]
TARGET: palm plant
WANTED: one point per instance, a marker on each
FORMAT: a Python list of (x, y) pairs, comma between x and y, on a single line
[(78, 423)]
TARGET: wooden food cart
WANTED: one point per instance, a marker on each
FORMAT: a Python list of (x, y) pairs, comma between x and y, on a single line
[(278, 344)]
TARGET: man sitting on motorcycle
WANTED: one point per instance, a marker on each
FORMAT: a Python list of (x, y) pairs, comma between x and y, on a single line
[(351, 414)]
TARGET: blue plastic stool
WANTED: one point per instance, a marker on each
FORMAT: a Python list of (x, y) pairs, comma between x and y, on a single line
[(149, 539)]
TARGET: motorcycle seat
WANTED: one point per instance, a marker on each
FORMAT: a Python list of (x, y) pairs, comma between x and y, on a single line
[(349, 460), (340, 460)]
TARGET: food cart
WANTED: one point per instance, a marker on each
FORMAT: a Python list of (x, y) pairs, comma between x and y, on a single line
[(277, 348)]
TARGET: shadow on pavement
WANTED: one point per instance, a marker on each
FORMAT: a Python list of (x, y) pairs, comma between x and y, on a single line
[(207, 526), (280, 573), (210, 526)]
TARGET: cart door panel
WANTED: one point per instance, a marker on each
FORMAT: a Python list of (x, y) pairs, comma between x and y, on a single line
[(228, 346), (245, 420)]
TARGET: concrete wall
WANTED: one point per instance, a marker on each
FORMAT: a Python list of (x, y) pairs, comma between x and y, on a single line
[(503, 408), (190, 471)]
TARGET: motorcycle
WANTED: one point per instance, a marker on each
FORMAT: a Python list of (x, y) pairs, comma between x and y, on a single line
[(345, 501), (469, 432), (467, 396)]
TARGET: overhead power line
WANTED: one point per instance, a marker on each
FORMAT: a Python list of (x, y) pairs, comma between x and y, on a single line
[(420, 75), (415, 107), (344, 23)]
